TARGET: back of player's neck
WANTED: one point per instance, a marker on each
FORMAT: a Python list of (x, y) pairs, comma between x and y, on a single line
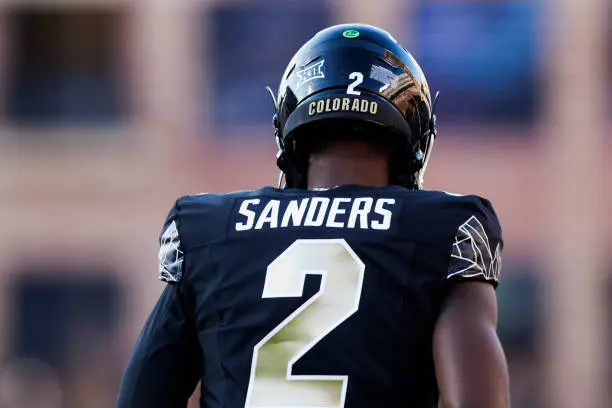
[(328, 172)]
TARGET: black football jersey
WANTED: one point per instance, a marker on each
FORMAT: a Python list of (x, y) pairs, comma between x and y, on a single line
[(323, 298)]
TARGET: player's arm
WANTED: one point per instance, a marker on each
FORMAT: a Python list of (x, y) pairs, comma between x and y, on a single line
[(164, 368), (166, 362), (470, 364)]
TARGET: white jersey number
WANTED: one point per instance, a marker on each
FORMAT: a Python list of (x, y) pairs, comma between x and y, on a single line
[(272, 383)]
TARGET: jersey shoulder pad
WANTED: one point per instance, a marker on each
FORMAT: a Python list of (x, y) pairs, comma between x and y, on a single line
[(477, 244)]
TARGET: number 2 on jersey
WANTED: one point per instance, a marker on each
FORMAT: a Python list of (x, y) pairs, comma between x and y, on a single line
[(272, 383)]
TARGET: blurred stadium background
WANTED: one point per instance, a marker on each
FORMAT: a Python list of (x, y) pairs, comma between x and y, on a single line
[(110, 109)]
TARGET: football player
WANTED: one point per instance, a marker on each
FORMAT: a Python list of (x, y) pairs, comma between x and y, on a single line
[(351, 286)]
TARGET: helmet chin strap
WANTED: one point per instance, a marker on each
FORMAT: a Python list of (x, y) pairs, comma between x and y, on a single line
[(421, 172), (281, 179), (432, 133), (279, 142)]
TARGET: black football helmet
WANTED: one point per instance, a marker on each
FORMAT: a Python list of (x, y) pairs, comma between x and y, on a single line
[(359, 77)]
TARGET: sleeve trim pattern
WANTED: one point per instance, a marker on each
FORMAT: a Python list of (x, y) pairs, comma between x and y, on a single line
[(170, 255), (471, 255)]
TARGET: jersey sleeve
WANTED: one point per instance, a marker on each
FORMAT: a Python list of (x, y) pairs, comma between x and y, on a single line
[(171, 250), (477, 246), (165, 364)]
